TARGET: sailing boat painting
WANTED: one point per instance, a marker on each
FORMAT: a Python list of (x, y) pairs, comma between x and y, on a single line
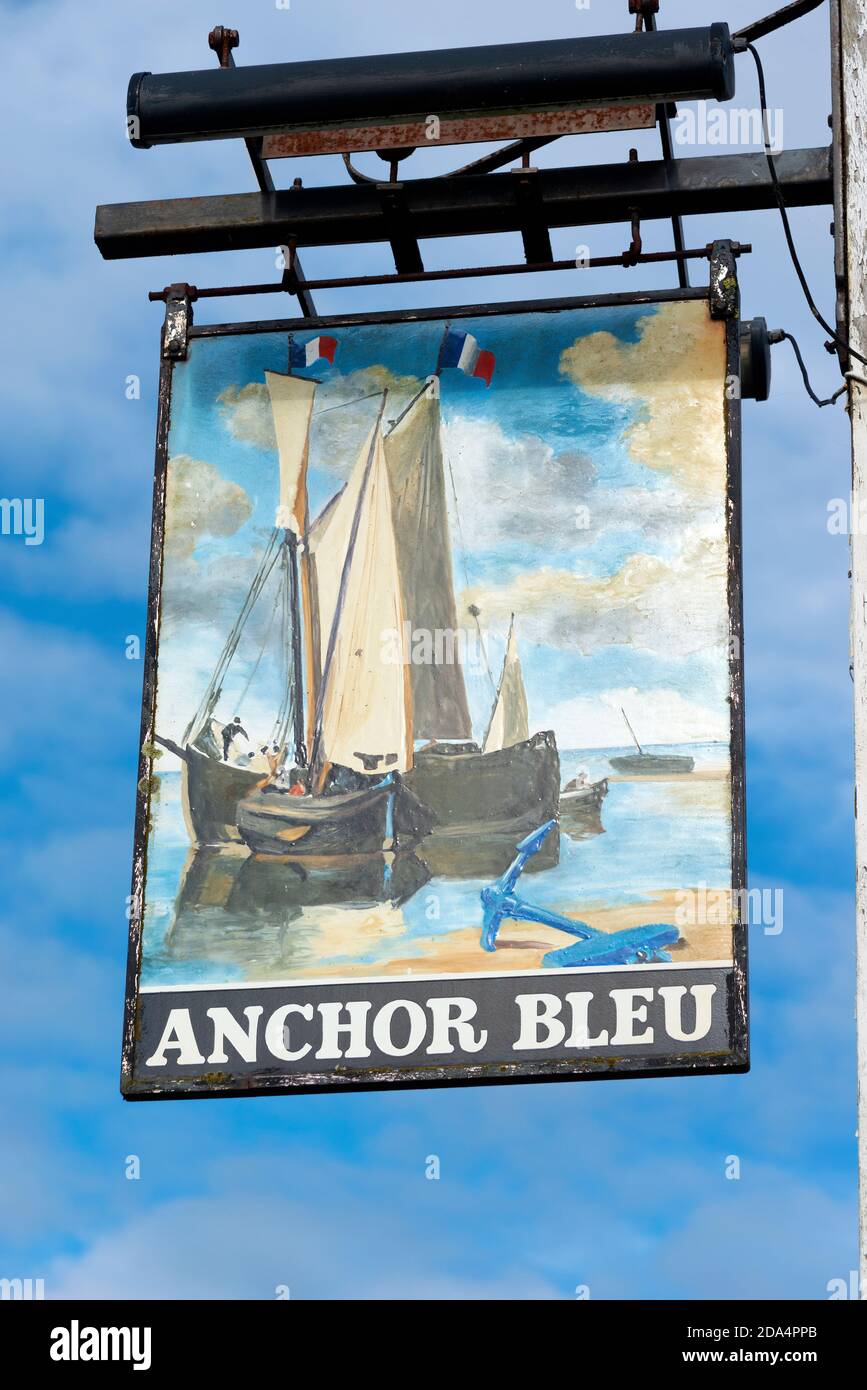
[(441, 681)]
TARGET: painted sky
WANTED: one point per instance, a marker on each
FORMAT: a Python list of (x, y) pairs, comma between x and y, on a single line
[(586, 490), (328, 1194)]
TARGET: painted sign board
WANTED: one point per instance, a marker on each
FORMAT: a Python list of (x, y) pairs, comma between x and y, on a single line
[(442, 758)]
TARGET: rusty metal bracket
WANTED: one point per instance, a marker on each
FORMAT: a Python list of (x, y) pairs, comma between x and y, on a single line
[(632, 255), (724, 289), (178, 321), (644, 10)]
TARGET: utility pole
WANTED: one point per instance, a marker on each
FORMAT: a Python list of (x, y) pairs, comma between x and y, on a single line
[(851, 136)]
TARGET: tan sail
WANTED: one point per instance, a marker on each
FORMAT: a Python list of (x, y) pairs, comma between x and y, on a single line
[(413, 451), (366, 703), (509, 720), (292, 408)]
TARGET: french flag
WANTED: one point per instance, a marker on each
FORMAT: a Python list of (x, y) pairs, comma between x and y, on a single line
[(462, 350), (305, 354)]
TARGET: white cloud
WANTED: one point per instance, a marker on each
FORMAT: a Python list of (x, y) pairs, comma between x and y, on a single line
[(344, 410), (661, 716), (673, 607), (675, 375), (515, 488)]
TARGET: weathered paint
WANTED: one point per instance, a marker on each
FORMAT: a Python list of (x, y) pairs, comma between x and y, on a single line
[(462, 130), (731, 1057), (853, 56)]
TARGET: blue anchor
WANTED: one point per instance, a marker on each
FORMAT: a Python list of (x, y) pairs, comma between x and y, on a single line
[(634, 946)]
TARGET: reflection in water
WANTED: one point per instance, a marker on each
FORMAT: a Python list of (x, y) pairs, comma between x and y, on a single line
[(255, 911), (581, 823), (470, 856), (221, 914)]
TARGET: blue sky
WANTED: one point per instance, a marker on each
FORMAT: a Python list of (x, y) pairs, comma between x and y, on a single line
[(618, 1186)]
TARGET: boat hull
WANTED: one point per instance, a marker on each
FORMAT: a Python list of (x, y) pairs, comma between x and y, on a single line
[(272, 822), (652, 765), (210, 792), (584, 798), (508, 793)]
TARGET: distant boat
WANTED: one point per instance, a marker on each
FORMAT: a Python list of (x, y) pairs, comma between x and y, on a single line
[(643, 764)]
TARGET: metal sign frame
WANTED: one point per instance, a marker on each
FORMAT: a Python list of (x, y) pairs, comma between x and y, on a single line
[(722, 296)]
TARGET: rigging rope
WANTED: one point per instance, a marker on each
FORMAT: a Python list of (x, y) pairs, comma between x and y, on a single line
[(265, 642), (473, 611), (212, 692)]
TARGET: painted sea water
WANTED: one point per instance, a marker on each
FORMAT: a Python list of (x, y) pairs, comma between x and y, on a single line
[(223, 915)]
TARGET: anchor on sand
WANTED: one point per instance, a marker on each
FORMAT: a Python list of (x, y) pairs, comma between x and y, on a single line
[(634, 946)]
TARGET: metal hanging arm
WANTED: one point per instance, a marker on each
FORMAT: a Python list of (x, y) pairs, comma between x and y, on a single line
[(775, 21), (222, 40)]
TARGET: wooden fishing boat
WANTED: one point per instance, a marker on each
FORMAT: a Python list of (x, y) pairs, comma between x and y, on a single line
[(210, 792), (340, 588), (505, 791), (578, 798), (643, 764), (513, 778), (377, 560), (652, 764), (385, 817)]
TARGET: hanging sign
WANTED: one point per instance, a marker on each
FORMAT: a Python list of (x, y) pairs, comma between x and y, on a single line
[(442, 760)]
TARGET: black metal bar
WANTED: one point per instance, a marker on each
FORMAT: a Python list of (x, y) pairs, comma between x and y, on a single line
[(505, 155), (649, 15), (401, 238), (462, 273), (617, 69), (353, 214), (222, 41), (774, 21), (534, 228)]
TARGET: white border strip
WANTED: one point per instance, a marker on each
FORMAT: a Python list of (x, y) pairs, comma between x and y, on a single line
[(539, 973)]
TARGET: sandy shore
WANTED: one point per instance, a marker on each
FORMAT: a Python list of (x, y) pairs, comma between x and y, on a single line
[(704, 774), (374, 941)]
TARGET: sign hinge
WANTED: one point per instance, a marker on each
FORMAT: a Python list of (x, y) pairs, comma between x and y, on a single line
[(724, 291), (178, 321)]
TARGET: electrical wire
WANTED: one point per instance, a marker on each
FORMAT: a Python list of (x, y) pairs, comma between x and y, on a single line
[(781, 203), (781, 334)]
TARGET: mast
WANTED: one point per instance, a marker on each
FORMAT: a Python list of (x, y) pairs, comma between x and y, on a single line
[(297, 673), (632, 731)]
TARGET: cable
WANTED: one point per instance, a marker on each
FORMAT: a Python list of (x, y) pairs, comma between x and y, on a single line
[(781, 203), (777, 337)]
